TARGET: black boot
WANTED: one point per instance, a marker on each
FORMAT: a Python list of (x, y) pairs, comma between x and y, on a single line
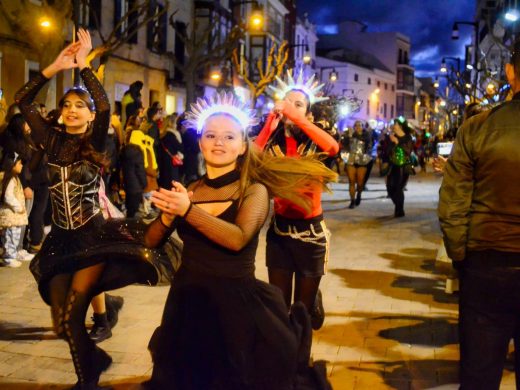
[(101, 329), (399, 213), (89, 360), (114, 304), (317, 313), (102, 362), (358, 198), (351, 205)]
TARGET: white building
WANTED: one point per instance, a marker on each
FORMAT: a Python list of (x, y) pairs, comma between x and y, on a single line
[(363, 78), (392, 50), (305, 40)]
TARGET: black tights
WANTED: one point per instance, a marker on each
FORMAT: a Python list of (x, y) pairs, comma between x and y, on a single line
[(305, 288), (70, 296)]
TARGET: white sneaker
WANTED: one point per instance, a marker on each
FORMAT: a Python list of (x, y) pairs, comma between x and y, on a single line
[(12, 263), (23, 255)]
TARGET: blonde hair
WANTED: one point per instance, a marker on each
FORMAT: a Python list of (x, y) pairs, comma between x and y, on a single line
[(284, 177)]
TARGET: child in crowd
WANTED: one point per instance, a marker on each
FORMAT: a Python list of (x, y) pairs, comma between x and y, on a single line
[(13, 215)]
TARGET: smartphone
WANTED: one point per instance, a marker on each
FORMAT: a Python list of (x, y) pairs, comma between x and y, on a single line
[(444, 148)]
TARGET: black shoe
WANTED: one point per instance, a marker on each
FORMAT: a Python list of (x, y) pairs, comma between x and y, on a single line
[(114, 304), (102, 363), (399, 214), (351, 205), (318, 313), (358, 199), (101, 329), (34, 249)]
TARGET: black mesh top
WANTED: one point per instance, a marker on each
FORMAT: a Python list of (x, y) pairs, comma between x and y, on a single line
[(63, 148), (222, 245)]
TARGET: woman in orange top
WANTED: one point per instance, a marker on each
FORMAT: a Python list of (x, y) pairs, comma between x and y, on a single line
[(297, 240)]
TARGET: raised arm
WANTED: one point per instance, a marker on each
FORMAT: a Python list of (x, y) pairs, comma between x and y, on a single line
[(267, 130), (24, 99), (320, 137), (101, 121), (250, 219), (25, 96)]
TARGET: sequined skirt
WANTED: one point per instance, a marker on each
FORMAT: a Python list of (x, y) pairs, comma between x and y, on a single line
[(116, 242)]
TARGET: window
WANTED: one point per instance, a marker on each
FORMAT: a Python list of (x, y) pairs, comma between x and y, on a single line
[(391, 110), (126, 21), (369, 81), (405, 59), (386, 86), (384, 110), (378, 83), (400, 59), (368, 107), (89, 13), (393, 88), (156, 30), (356, 77)]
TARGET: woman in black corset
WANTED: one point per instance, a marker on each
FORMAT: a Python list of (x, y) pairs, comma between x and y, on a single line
[(83, 255), (221, 327)]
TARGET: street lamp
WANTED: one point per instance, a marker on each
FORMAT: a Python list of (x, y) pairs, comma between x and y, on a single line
[(333, 75), (307, 57), (455, 35), (45, 23), (444, 68), (512, 15), (436, 83)]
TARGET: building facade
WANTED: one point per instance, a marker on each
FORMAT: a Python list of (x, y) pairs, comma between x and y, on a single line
[(391, 49), (372, 86)]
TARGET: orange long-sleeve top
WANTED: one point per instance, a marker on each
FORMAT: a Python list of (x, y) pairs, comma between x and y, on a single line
[(323, 141)]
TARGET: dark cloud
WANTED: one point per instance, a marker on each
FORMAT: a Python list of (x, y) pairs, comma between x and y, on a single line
[(428, 23)]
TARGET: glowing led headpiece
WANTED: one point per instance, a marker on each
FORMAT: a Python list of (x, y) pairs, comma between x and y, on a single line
[(220, 103), (309, 87)]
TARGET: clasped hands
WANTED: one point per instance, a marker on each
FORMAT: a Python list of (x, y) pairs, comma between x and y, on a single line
[(75, 54), (174, 202)]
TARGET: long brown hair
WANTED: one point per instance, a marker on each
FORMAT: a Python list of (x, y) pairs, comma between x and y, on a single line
[(284, 177), (86, 150)]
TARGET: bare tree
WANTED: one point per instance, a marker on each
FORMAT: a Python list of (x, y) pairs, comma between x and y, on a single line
[(119, 34), (275, 62), (202, 48)]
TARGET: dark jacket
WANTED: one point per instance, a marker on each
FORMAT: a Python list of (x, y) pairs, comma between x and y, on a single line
[(168, 147), (479, 205), (134, 174)]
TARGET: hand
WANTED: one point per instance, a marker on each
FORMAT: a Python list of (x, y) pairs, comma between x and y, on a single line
[(84, 49), (439, 163), (278, 108), (393, 138), (65, 60), (172, 203), (28, 193)]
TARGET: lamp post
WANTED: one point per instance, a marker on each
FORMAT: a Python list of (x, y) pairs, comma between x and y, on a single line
[(444, 68), (333, 75), (256, 21), (307, 57), (455, 35), (75, 27)]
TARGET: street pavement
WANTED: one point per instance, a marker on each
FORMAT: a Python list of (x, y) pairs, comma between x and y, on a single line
[(389, 324)]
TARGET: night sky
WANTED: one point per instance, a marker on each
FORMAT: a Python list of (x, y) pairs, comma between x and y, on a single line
[(428, 23)]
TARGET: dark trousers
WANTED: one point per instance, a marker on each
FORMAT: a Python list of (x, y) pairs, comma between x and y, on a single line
[(132, 202), (396, 181), (369, 170), (489, 317), (36, 217)]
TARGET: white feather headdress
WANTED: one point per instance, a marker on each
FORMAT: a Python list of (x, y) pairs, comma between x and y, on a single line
[(221, 103), (310, 87)]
